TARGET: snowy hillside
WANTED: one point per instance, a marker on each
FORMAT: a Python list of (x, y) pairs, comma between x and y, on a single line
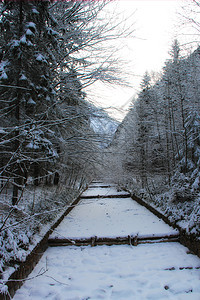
[(103, 126)]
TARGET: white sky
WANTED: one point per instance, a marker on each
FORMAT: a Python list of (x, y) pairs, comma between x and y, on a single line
[(156, 26)]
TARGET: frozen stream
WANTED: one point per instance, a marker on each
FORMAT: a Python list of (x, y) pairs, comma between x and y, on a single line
[(149, 271)]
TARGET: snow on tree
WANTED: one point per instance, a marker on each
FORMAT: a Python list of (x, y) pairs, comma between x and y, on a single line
[(49, 52), (27, 90)]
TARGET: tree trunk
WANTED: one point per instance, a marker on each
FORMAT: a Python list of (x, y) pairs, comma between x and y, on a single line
[(17, 174)]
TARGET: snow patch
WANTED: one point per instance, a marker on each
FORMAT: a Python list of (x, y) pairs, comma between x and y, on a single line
[(23, 40), (41, 58), (29, 32), (31, 102)]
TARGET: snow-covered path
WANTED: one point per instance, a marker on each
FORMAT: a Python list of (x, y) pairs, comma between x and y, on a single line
[(110, 217), (149, 271)]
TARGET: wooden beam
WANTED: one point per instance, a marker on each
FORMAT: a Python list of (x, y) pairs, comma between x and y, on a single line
[(106, 196), (129, 240)]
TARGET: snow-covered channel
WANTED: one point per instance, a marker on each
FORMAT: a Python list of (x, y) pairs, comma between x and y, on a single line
[(118, 272), (110, 217), (114, 272)]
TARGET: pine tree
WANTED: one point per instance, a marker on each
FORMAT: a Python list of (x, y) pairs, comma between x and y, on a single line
[(26, 86)]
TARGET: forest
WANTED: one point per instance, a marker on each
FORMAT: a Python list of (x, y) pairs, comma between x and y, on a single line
[(49, 150), (53, 141), (158, 142)]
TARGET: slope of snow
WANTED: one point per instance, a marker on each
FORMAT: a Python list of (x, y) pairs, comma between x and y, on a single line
[(103, 125)]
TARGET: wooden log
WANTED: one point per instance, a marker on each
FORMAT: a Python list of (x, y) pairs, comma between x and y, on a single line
[(129, 240), (158, 241), (106, 196), (100, 186), (158, 237), (182, 268)]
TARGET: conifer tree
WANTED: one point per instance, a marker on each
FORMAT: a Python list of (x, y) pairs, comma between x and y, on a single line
[(26, 86)]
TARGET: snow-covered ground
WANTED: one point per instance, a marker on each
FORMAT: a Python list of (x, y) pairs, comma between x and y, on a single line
[(184, 212), (114, 272), (110, 218), (150, 271)]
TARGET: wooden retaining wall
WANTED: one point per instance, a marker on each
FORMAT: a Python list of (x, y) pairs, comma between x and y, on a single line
[(190, 241), (18, 277)]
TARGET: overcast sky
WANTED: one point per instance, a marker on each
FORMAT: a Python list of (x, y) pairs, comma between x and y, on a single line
[(155, 23)]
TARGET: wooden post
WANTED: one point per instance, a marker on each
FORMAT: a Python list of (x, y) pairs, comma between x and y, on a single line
[(93, 241), (135, 242)]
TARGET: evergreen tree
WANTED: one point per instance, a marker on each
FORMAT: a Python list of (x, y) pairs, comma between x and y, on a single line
[(26, 87)]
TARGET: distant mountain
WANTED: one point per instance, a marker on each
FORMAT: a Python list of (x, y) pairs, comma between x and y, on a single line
[(103, 126)]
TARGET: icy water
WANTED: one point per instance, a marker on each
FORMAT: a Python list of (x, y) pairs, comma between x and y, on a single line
[(149, 271)]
